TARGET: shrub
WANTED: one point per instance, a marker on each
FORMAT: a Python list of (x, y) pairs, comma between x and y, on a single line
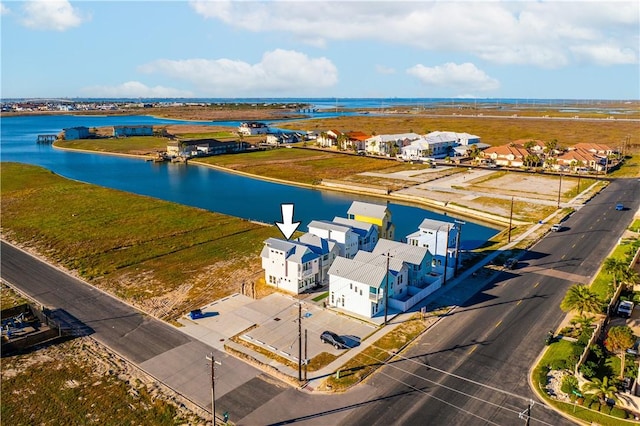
[(588, 369), (585, 335), (619, 413), (558, 364), (569, 383), (605, 409), (597, 351), (566, 331), (588, 399), (595, 405)]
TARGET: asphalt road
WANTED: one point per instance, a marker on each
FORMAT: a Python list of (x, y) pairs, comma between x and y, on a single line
[(493, 339)]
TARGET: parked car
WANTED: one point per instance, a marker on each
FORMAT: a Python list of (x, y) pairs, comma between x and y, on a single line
[(619, 206), (333, 339), (510, 263), (625, 308), (556, 228)]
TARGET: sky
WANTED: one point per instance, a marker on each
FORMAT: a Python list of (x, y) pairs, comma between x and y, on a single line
[(345, 49)]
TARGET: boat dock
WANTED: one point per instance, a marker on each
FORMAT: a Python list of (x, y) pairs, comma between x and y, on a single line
[(46, 138)]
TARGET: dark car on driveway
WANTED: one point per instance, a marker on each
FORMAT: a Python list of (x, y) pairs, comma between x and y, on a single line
[(333, 339), (510, 263)]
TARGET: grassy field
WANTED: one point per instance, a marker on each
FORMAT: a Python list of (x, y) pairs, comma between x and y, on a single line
[(163, 257), (298, 165), (135, 145)]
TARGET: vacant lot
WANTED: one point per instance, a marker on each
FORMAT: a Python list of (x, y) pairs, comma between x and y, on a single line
[(163, 257)]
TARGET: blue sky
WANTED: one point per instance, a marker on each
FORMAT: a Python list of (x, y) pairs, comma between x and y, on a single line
[(482, 49)]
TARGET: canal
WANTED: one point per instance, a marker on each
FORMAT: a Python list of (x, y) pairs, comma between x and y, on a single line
[(194, 185)]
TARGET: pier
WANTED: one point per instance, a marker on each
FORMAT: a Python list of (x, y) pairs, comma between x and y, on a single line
[(47, 138)]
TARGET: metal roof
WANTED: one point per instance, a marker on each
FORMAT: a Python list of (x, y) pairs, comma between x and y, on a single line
[(361, 272)]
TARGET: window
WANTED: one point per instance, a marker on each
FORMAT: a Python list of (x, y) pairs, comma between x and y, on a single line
[(360, 292), (350, 286)]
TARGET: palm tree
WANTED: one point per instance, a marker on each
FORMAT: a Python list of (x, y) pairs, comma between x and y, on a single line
[(617, 268), (601, 389), (580, 298), (584, 321), (618, 340)]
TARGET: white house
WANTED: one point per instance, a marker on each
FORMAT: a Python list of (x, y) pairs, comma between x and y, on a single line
[(328, 139), (290, 266), (358, 285), (328, 251), (440, 238), (436, 145), (386, 144), (343, 235), (251, 128), (367, 232)]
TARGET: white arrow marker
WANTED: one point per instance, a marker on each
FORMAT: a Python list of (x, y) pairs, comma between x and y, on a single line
[(288, 226)]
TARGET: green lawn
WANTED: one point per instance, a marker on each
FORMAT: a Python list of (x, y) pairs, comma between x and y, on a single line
[(602, 284)]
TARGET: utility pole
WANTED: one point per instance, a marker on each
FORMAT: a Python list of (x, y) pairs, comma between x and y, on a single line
[(386, 291), (306, 360), (559, 190), (510, 221), (460, 223), (299, 341), (213, 387), (446, 256)]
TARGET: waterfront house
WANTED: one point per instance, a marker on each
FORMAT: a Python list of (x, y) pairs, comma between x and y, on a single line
[(356, 141), (73, 133), (277, 139), (125, 131), (376, 214), (438, 145), (343, 235), (367, 232), (204, 147), (251, 128), (328, 251), (329, 139), (290, 266), (441, 239)]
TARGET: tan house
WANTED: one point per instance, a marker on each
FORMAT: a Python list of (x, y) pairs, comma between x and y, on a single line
[(512, 155), (577, 160)]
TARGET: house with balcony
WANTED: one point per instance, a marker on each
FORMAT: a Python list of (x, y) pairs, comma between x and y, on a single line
[(376, 214), (290, 266), (389, 145), (401, 271), (328, 251), (441, 239), (343, 235), (579, 160), (251, 128), (367, 232), (204, 147)]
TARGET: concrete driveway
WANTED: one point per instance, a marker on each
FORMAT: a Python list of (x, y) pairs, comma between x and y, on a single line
[(272, 323)]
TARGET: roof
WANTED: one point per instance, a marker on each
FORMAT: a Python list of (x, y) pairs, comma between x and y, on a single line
[(439, 136), (316, 244), (590, 146), (367, 209), (359, 136), (359, 227), (432, 224), (294, 251), (408, 253), (395, 263), (329, 226), (399, 136), (578, 155), (518, 151), (361, 272)]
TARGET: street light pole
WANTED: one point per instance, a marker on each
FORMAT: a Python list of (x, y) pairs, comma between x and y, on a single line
[(510, 221), (299, 341), (559, 190), (460, 223)]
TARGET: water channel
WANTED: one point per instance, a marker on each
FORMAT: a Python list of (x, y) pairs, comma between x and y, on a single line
[(194, 185)]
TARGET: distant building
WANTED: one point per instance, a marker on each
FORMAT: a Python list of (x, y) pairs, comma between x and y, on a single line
[(125, 131), (203, 147), (73, 133), (387, 144), (251, 128)]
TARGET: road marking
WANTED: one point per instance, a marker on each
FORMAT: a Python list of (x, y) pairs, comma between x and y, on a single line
[(472, 349), (519, 302), (537, 284), (591, 227), (498, 324), (582, 236), (563, 256), (573, 246)]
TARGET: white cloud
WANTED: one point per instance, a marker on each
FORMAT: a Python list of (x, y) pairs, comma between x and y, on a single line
[(465, 77), (4, 10), (56, 15), (135, 89), (381, 69), (278, 71), (604, 54), (510, 32)]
